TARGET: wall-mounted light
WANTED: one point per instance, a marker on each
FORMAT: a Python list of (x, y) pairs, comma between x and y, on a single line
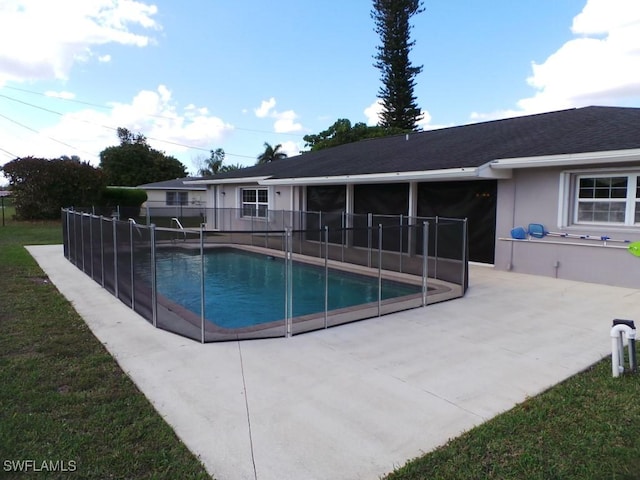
[(277, 193), (223, 193)]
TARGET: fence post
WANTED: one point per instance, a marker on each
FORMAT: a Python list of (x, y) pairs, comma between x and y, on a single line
[(202, 300), (326, 275), (369, 233), (102, 250), (91, 242), (288, 281), (131, 263), (115, 256), (435, 248), (75, 239), (68, 237), (464, 255), (379, 268), (401, 238), (152, 269), (343, 220), (82, 240), (302, 227), (425, 261), (320, 233), (266, 233)]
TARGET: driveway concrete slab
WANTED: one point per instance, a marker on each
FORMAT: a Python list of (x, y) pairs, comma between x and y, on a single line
[(355, 401)]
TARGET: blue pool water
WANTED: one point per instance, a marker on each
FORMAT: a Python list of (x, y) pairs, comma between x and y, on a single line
[(244, 289)]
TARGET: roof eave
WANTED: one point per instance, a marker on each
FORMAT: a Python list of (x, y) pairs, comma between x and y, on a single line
[(569, 159), (174, 188), (222, 181), (428, 175)]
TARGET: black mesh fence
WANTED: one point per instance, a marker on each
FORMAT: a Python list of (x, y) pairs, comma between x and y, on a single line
[(108, 255), (142, 274), (124, 262), (277, 275), (87, 244), (65, 233), (97, 253)]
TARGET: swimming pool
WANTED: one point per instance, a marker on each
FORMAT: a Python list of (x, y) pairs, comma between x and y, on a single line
[(245, 289)]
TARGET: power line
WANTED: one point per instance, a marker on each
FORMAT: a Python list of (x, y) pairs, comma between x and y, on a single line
[(8, 152), (46, 136), (191, 147), (104, 107)]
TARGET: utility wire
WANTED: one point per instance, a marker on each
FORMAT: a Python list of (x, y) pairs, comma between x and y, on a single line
[(191, 147), (104, 107), (8, 152), (46, 136)]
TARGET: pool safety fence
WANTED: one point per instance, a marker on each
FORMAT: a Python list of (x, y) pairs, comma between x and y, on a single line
[(135, 260)]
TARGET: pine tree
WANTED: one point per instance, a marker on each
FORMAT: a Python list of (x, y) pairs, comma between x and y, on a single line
[(397, 74)]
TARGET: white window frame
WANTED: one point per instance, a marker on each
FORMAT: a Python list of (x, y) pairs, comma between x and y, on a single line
[(627, 202), (176, 198), (569, 197), (257, 208)]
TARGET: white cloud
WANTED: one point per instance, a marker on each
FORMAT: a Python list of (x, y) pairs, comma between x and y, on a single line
[(44, 39), (373, 112), (89, 131), (600, 66), (284, 121), (291, 148), (265, 107), (604, 16)]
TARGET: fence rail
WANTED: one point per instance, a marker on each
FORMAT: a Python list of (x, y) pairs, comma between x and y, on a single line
[(137, 260)]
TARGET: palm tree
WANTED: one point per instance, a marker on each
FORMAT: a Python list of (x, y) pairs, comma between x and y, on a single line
[(271, 154), (213, 164)]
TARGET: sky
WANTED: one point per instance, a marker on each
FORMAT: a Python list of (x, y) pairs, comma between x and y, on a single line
[(197, 75)]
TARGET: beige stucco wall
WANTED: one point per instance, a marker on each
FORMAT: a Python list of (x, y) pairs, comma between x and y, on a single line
[(158, 198), (227, 200), (533, 196)]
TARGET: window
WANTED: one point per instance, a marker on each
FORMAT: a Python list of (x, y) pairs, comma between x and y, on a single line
[(255, 202), (607, 199), (177, 198)]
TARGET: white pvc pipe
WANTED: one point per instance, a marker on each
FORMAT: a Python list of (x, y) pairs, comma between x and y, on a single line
[(617, 347)]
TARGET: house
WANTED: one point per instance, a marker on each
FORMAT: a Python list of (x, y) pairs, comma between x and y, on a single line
[(575, 171), (171, 193), (174, 194)]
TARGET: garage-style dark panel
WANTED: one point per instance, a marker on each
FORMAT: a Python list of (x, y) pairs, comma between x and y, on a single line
[(325, 204), (326, 198), (474, 200), (381, 199)]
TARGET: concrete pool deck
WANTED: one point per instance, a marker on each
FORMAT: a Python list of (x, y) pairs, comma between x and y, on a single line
[(355, 401)]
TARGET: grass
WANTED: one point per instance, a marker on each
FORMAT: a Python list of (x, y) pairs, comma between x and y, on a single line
[(587, 427), (62, 396)]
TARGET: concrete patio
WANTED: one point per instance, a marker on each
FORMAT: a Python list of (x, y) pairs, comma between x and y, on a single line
[(355, 401)]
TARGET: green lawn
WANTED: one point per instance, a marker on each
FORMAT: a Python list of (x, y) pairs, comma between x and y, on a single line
[(62, 396), (586, 428)]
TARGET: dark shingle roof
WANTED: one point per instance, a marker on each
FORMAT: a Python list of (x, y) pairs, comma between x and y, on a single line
[(581, 130), (175, 184)]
